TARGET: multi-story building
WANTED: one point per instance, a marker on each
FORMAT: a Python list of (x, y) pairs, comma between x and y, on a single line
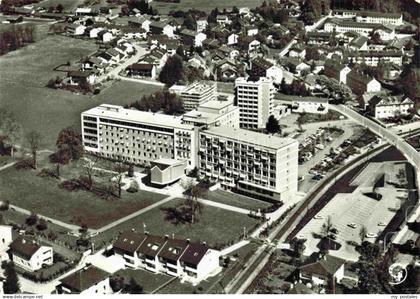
[(29, 255), (198, 93), (214, 113), (370, 16), (254, 97), (373, 58), (341, 26), (136, 136), (251, 163), (191, 261), (390, 106)]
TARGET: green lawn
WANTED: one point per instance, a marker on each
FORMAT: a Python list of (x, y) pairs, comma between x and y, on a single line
[(236, 200), (43, 196), (215, 226), (69, 5), (203, 5), (25, 72)]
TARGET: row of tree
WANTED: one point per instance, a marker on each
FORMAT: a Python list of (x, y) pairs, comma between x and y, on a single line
[(164, 101), (16, 37), (295, 88), (7, 6)]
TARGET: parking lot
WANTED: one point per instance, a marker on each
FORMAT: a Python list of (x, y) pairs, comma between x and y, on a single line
[(358, 209)]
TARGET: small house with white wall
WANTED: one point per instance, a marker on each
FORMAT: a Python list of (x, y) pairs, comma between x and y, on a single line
[(89, 280), (29, 255), (324, 271)]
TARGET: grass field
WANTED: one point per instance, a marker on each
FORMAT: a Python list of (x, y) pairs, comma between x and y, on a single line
[(69, 5), (204, 5), (43, 196), (148, 280), (215, 226), (236, 200), (24, 74)]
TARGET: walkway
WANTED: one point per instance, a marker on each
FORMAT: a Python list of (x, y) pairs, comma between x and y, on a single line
[(135, 214), (224, 206)]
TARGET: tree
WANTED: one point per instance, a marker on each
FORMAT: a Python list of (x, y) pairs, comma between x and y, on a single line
[(362, 234), (10, 129), (59, 8), (300, 121), (298, 246), (33, 138), (327, 227), (11, 283), (71, 142), (60, 157), (272, 126), (172, 71), (120, 168), (89, 169), (133, 287), (192, 194)]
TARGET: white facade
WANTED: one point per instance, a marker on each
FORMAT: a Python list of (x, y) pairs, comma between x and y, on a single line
[(42, 256), (208, 264), (373, 86), (198, 93), (365, 29), (389, 106), (251, 163), (255, 101), (233, 39), (275, 73), (6, 236), (137, 136), (199, 38)]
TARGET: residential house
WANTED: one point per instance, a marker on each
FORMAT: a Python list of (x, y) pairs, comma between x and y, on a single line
[(81, 77), (385, 106), (105, 36), (230, 52), (148, 253), (191, 37), (89, 280), (93, 33), (223, 20), (141, 70), (359, 43), (76, 29), (227, 69), (170, 255), (297, 51), (373, 58), (336, 70), (93, 64), (297, 66), (162, 28), (324, 271), (232, 39), (29, 255), (360, 83), (201, 24), (259, 67)]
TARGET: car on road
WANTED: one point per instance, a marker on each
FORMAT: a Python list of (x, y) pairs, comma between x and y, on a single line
[(352, 225), (318, 217), (371, 235), (317, 177), (381, 224)]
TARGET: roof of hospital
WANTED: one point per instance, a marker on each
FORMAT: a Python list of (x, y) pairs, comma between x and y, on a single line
[(250, 137), (120, 113)]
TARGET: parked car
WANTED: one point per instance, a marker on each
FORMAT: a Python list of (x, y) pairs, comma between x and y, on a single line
[(371, 235), (318, 217), (381, 224)]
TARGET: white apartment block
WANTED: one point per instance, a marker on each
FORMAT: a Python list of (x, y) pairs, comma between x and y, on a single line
[(136, 136), (198, 93), (214, 113), (29, 255), (250, 163), (375, 57), (371, 16), (255, 101), (343, 26)]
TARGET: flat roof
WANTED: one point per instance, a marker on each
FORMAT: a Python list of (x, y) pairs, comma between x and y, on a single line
[(215, 104), (250, 137), (136, 116)]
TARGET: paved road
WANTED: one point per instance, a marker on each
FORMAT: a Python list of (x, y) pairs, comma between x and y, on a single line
[(140, 52)]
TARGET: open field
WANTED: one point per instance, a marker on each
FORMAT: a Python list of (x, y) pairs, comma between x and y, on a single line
[(24, 74), (148, 280), (215, 226), (69, 5), (43, 196), (204, 5), (236, 200)]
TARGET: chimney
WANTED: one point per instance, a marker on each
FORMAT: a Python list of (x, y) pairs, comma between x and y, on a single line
[(173, 236), (166, 237), (23, 241), (188, 240)]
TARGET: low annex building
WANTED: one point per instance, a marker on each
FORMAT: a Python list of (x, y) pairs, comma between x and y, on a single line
[(190, 261)]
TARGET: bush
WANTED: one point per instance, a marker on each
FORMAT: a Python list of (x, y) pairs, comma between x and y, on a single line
[(96, 91), (42, 225), (32, 219), (4, 205), (134, 187), (25, 164), (45, 172)]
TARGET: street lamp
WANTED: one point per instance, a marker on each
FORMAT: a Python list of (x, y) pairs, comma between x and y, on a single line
[(394, 232)]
